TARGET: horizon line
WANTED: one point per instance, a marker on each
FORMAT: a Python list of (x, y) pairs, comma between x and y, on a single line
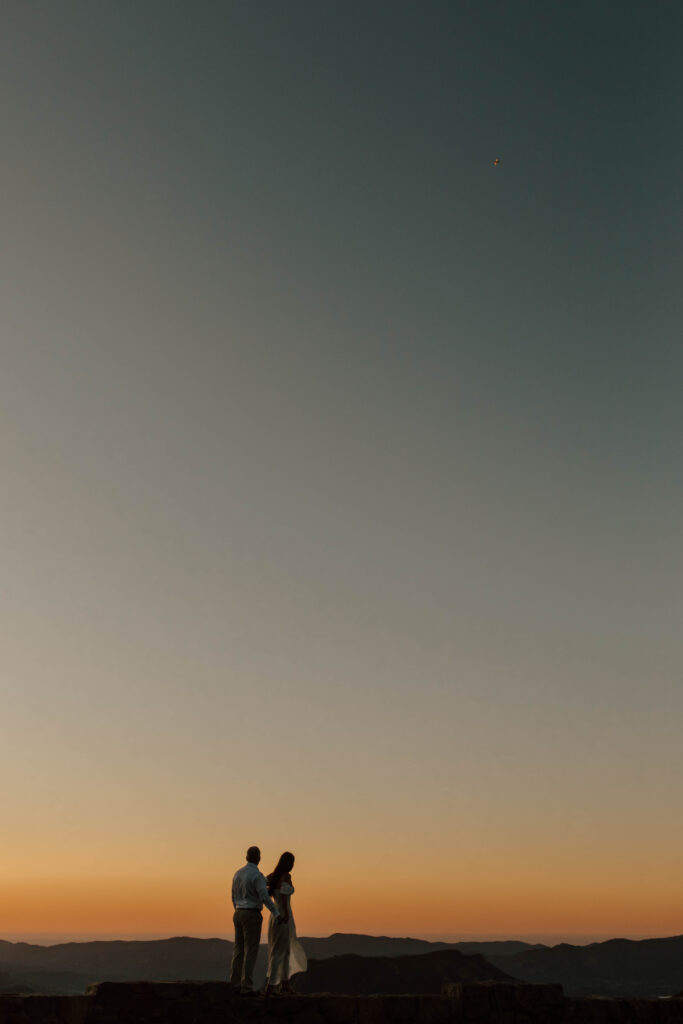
[(547, 938)]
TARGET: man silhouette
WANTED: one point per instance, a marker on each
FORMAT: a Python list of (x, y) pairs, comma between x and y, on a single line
[(249, 893)]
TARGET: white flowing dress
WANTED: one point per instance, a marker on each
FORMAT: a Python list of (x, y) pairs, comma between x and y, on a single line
[(286, 955)]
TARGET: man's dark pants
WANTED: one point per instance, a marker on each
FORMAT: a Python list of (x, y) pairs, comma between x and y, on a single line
[(247, 937)]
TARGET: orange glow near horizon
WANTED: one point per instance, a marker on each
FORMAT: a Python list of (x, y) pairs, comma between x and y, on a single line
[(350, 902), (404, 860)]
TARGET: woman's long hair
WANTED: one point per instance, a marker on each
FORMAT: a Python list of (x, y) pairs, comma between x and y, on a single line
[(283, 867)]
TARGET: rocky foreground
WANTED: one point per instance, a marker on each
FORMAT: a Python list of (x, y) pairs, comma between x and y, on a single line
[(215, 1003)]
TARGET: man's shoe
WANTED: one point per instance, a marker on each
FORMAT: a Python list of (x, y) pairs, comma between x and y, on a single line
[(248, 992)]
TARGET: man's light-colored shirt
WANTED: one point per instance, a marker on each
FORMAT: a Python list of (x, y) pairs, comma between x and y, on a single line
[(250, 890)]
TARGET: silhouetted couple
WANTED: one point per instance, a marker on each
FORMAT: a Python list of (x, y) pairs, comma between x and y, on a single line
[(286, 956)]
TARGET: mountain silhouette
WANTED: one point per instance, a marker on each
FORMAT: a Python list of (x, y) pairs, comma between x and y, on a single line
[(395, 975), (67, 968), (622, 967), (618, 967), (383, 945)]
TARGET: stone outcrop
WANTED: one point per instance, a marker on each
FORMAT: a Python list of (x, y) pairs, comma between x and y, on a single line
[(215, 1003)]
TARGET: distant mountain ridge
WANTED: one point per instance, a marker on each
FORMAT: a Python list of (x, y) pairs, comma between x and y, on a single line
[(67, 968), (646, 967), (341, 943)]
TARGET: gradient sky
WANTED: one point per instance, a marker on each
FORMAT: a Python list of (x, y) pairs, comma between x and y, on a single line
[(342, 492)]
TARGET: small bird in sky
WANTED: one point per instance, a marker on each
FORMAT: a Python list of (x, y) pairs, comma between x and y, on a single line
[(496, 161)]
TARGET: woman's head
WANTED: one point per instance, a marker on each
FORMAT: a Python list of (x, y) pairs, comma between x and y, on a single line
[(283, 867), (285, 863)]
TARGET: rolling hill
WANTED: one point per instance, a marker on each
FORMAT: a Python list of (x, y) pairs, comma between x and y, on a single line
[(68, 968), (395, 975), (618, 967)]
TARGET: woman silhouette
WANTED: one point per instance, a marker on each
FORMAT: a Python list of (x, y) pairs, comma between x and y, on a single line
[(286, 955)]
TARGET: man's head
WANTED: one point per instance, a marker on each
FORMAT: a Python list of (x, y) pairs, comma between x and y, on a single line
[(253, 855)]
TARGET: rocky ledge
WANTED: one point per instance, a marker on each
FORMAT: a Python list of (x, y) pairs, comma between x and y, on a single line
[(215, 1003)]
